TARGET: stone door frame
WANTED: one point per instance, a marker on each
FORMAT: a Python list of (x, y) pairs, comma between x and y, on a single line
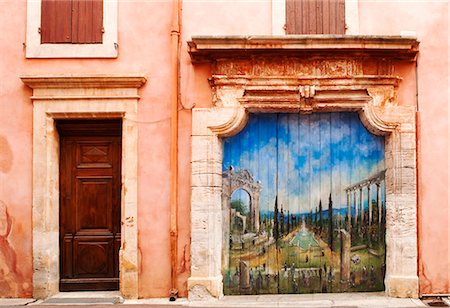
[(80, 97), (261, 83)]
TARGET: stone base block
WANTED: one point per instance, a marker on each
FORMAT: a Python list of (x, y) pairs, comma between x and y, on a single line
[(402, 286), (205, 288), (45, 289)]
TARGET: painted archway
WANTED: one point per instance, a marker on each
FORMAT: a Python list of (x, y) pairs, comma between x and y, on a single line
[(242, 179)]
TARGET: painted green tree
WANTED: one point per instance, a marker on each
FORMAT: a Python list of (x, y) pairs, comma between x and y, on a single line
[(320, 217), (276, 233), (330, 223), (239, 206)]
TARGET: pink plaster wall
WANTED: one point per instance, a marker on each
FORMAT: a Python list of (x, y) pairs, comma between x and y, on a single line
[(430, 20), (144, 48)]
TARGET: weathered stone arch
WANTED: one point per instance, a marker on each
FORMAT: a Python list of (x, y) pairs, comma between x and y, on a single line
[(242, 179)]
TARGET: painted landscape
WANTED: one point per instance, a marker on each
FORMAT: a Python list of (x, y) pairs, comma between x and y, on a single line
[(306, 200)]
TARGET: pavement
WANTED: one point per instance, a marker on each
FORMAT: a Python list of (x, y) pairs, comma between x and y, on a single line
[(336, 300)]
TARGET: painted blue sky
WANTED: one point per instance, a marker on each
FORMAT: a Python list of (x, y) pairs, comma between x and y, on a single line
[(303, 158)]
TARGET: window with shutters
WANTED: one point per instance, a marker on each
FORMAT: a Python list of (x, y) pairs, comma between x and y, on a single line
[(315, 16), (72, 21), (71, 29)]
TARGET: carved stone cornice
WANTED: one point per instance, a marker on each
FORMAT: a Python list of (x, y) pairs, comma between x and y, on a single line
[(83, 81), (325, 66), (304, 95), (212, 48), (83, 87)]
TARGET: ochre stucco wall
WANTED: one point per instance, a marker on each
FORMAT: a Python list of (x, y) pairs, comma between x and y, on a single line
[(144, 48)]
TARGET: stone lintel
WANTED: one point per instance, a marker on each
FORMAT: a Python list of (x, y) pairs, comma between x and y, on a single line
[(211, 48), (83, 81)]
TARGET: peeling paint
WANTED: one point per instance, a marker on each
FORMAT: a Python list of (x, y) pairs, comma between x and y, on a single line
[(185, 260), (12, 281)]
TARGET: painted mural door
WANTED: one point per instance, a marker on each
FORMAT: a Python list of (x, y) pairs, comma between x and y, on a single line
[(305, 206), (90, 185)]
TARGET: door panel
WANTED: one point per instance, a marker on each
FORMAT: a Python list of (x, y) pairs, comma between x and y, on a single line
[(306, 202), (92, 256), (94, 204), (94, 155), (90, 186)]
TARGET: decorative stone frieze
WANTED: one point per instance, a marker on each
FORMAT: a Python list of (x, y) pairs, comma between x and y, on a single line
[(80, 97), (302, 75)]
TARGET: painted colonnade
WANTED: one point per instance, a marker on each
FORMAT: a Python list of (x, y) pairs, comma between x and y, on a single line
[(376, 180)]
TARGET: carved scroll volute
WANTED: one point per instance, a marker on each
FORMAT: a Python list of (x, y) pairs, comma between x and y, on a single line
[(372, 118), (232, 125)]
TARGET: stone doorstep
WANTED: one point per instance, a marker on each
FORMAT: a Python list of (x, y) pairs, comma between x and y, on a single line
[(313, 300), (9, 302), (366, 300), (82, 301), (158, 302), (84, 298)]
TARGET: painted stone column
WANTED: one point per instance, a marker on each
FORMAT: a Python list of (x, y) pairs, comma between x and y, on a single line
[(345, 256), (380, 209), (349, 214), (356, 210), (369, 202), (244, 275), (361, 206), (256, 214)]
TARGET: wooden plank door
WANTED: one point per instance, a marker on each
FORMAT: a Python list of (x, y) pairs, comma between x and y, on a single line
[(306, 205), (90, 189)]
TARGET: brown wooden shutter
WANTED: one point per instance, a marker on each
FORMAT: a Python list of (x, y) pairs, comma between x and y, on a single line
[(87, 21), (72, 21), (315, 16), (56, 20)]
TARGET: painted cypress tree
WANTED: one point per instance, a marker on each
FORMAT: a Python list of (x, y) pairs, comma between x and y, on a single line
[(288, 222), (320, 217), (282, 221), (330, 223), (276, 235), (316, 217)]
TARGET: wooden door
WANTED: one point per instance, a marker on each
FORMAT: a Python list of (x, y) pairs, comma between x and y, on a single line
[(306, 202), (90, 189)]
